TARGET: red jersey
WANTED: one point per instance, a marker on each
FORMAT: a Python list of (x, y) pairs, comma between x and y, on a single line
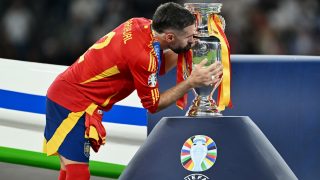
[(111, 69)]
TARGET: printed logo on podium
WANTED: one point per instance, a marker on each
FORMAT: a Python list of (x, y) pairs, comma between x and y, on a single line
[(198, 153), (196, 176)]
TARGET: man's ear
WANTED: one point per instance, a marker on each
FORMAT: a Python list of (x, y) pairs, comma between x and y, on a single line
[(169, 37)]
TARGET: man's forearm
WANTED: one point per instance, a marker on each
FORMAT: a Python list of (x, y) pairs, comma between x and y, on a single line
[(173, 94), (200, 76)]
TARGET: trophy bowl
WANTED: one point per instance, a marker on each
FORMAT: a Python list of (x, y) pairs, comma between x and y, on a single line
[(206, 47), (202, 12)]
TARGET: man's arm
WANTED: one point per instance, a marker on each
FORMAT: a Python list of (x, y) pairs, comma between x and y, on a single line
[(200, 76)]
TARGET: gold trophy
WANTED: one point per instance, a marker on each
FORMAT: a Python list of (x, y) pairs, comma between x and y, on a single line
[(207, 47)]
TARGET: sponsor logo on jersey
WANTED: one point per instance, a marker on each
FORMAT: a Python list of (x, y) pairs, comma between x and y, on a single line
[(86, 149), (152, 80)]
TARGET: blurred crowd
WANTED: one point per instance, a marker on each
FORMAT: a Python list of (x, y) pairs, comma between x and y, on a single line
[(59, 31)]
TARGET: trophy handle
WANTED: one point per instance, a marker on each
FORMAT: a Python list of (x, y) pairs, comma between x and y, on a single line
[(223, 22)]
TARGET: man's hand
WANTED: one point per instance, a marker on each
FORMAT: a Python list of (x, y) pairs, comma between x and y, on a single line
[(200, 76), (205, 76)]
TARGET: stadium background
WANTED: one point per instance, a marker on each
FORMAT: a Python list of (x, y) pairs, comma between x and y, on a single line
[(59, 31)]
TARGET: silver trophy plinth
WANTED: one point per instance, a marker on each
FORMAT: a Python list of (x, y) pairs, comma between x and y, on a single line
[(206, 47)]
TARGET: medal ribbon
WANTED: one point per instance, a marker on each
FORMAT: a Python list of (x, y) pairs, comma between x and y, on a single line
[(184, 68), (215, 29)]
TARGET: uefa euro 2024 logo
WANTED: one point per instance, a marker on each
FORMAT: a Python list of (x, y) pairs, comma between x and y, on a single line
[(198, 153)]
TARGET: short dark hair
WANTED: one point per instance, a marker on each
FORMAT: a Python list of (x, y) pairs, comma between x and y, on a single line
[(171, 16)]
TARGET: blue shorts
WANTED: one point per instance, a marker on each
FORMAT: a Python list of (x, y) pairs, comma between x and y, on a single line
[(65, 133)]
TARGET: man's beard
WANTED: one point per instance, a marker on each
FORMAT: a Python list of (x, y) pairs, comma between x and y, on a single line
[(181, 49)]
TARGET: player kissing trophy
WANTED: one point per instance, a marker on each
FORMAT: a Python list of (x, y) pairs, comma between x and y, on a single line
[(211, 44)]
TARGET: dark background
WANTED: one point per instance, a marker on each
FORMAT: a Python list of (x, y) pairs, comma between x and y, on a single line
[(59, 31)]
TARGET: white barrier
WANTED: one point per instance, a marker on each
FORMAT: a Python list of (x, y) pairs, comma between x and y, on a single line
[(24, 130)]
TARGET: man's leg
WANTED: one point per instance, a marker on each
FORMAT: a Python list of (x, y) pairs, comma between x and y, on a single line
[(63, 173), (74, 169), (65, 135)]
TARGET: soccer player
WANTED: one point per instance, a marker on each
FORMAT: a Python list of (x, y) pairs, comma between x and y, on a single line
[(129, 58)]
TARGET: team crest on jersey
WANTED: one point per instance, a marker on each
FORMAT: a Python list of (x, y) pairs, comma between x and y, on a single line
[(152, 80), (86, 149)]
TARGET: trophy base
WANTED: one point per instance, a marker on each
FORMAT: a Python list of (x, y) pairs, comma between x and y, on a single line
[(203, 107)]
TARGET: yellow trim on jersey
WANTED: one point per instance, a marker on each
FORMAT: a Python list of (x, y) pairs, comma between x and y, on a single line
[(153, 98), (62, 131), (81, 58), (152, 63), (108, 100), (91, 108), (107, 73), (104, 43), (155, 95), (158, 94)]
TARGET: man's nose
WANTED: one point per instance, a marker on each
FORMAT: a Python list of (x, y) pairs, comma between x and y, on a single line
[(192, 41)]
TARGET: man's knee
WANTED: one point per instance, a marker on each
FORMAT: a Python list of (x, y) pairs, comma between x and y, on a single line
[(74, 169)]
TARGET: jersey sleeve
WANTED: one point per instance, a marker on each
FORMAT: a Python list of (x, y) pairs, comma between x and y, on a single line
[(144, 71)]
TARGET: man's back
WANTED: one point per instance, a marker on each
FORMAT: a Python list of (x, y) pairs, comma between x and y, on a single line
[(117, 64)]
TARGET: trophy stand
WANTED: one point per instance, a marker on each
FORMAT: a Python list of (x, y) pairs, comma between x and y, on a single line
[(207, 148)]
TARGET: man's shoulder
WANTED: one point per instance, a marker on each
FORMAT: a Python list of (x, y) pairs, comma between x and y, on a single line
[(141, 20), (137, 25), (137, 34)]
